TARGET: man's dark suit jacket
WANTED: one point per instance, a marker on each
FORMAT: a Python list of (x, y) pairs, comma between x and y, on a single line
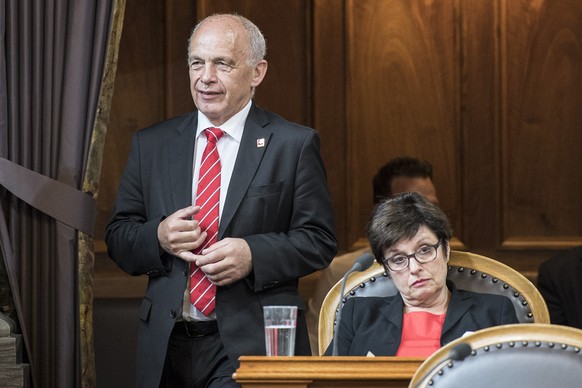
[(374, 324), (560, 282), (277, 200)]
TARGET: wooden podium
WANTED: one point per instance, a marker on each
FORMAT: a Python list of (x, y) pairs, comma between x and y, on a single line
[(305, 371)]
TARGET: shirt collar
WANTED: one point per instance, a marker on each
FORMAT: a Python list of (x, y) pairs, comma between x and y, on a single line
[(233, 127)]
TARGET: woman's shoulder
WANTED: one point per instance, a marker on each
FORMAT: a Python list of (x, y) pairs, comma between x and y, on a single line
[(483, 297), (366, 302)]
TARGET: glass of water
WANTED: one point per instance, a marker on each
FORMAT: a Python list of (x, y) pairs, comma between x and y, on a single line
[(280, 323)]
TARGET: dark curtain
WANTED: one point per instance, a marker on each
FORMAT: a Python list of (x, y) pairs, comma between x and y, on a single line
[(51, 67)]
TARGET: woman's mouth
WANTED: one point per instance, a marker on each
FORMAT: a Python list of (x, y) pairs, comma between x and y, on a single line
[(419, 283)]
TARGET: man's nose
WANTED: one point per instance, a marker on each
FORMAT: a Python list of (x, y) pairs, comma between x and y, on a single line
[(208, 73)]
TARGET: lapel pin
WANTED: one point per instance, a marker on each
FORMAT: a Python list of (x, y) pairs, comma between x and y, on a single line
[(261, 142)]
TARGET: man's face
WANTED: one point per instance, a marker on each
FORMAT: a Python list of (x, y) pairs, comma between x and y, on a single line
[(423, 186), (221, 79)]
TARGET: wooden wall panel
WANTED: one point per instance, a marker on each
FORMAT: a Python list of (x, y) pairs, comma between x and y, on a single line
[(488, 91), (329, 105), (542, 178), (180, 17), (480, 110), (402, 97)]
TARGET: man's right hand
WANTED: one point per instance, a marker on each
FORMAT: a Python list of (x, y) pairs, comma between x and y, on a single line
[(179, 234)]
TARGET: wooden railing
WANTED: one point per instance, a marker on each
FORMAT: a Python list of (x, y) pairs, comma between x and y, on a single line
[(330, 372)]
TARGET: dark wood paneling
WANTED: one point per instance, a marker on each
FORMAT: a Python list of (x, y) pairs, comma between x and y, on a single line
[(329, 105), (402, 96), (488, 91), (180, 19), (542, 183), (480, 110)]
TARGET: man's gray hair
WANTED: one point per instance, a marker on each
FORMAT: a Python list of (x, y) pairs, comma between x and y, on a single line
[(256, 42)]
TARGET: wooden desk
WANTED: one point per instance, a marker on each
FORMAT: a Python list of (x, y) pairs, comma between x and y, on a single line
[(332, 372)]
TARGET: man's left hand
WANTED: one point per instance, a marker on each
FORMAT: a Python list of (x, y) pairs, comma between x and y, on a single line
[(226, 261)]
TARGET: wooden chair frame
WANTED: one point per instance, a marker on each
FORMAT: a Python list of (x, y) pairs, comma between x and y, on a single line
[(483, 268)]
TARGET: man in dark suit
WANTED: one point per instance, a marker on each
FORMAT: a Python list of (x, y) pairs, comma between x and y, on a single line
[(275, 223), (559, 283)]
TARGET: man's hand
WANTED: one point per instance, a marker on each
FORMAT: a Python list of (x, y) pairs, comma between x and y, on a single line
[(226, 261), (179, 234)]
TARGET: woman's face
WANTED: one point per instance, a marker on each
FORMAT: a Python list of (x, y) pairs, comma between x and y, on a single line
[(421, 285)]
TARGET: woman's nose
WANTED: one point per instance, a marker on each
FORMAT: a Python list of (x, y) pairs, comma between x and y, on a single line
[(413, 265)]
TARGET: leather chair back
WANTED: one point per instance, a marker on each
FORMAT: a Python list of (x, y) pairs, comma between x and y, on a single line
[(517, 355)]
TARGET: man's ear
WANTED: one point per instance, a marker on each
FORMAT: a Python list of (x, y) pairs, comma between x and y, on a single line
[(259, 73)]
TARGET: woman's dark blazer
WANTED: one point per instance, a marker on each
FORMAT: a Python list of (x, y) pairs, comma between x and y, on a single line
[(374, 324)]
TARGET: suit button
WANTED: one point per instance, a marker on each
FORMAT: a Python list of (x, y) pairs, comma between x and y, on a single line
[(185, 272), (172, 313)]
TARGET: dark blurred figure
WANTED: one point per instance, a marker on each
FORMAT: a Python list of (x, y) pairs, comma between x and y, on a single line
[(559, 281)]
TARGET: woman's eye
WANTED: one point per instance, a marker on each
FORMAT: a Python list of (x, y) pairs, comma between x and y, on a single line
[(424, 250), (398, 259)]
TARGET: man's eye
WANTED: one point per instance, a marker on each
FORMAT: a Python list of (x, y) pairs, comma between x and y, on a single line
[(196, 65), (224, 67)]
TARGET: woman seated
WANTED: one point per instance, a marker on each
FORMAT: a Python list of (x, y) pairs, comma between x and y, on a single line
[(410, 237)]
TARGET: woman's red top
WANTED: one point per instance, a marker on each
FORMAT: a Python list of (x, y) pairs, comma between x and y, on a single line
[(421, 334)]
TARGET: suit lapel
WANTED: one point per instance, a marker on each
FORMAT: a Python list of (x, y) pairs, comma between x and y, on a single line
[(461, 306), (180, 149), (389, 336), (393, 309), (247, 162)]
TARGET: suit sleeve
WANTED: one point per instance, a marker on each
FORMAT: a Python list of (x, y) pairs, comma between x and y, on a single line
[(345, 334), (508, 314), (550, 293)]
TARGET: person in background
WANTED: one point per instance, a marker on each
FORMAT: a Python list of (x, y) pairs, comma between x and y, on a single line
[(399, 175), (559, 283), (267, 217), (410, 237), (404, 174)]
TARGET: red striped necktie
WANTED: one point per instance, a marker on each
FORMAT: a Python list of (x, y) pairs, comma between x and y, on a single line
[(202, 292)]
